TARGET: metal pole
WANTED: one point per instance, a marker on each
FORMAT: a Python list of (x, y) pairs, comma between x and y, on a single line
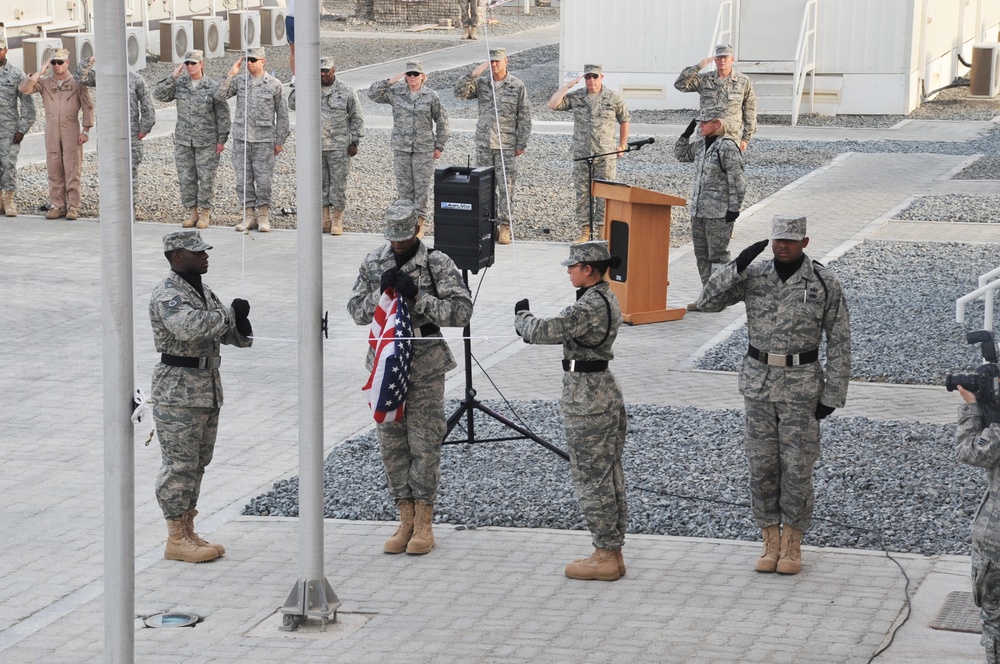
[(312, 594), (114, 174)]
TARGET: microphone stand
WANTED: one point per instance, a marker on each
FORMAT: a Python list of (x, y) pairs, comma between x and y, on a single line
[(630, 147)]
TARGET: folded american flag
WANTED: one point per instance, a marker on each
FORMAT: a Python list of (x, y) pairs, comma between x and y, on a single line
[(389, 335)]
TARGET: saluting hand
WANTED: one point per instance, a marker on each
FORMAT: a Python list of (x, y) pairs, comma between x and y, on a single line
[(747, 255)]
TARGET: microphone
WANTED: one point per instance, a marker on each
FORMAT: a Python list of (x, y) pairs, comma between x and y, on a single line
[(637, 145)]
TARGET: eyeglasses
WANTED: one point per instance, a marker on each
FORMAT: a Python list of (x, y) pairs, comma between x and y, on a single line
[(190, 63), (57, 62), (324, 71), (253, 59), (591, 77), (413, 73)]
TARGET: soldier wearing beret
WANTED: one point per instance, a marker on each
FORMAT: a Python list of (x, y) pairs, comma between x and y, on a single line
[(791, 303), (437, 297), (189, 324), (592, 403), (724, 89), (17, 114)]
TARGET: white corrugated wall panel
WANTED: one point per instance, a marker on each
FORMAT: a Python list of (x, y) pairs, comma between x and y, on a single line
[(863, 36)]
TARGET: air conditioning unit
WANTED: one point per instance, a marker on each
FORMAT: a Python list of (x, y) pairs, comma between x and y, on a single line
[(176, 39), (210, 36), (984, 75), (244, 30), (80, 46), (36, 52), (272, 26), (135, 47)]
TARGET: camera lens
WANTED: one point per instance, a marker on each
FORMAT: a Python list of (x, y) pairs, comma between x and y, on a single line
[(968, 381)]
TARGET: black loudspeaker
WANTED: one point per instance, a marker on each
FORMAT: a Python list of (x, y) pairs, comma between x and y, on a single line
[(464, 216), (619, 247)]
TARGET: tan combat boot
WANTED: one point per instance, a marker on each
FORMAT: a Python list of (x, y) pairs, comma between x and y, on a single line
[(264, 218), (472, 33), (182, 547), (204, 218), (191, 219), (422, 540), (503, 237), (790, 556), (768, 560), (337, 219), (326, 220), (55, 213), (466, 35), (188, 518), (8, 207), (397, 543), (250, 215), (584, 235), (72, 214), (602, 565)]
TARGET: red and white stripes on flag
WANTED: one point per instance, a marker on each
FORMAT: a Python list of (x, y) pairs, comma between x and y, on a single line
[(390, 335)]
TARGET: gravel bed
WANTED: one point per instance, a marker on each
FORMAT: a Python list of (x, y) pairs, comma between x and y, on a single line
[(985, 168), (686, 476), (901, 297), (954, 207)]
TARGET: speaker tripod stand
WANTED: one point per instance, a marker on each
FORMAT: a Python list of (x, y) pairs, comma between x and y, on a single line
[(470, 404)]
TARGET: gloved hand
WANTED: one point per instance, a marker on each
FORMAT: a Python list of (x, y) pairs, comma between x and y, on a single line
[(405, 285), (690, 129), (747, 255), (522, 305), (388, 279), (241, 308), (732, 215), (823, 410)]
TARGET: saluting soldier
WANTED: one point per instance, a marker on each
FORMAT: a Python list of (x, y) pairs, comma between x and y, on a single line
[(342, 127), (199, 137), (592, 403), (791, 303), (17, 114), (725, 89), (502, 130)]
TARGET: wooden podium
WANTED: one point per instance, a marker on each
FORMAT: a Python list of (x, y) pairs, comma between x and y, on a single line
[(637, 228)]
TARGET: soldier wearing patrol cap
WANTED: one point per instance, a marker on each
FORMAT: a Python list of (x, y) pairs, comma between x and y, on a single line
[(592, 403), (17, 114), (791, 302), (502, 130), (596, 111), (437, 297), (259, 134), (189, 324), (342, 126), (724, 89)]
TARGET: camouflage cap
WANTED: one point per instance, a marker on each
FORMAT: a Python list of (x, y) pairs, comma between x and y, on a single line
[(588, 252), (498, 54), (788, 227), (58, 54), (194, 56), (706, 114), (400, 221), (593, 69), (190, 240), (415, 65), (3, 42), (326, 63), (724, 49), (256, 53)]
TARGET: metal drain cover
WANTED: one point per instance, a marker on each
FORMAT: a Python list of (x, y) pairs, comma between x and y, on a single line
[(959, 613), (172, 620)]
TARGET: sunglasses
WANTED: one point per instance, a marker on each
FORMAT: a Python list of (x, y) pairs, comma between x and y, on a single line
[(591, 77), (324, 71), (57, 62), (253, 59), (413, 73), (190, 63)]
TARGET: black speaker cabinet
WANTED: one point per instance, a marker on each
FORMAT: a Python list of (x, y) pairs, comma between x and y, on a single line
[(464, 215)]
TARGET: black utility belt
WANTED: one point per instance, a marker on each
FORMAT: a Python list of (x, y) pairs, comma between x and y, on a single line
[(190, 362), (427, 330), (585, 366), (775, 360)]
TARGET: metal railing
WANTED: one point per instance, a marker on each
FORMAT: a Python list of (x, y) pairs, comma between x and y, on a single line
[(723, 32), (805, 61), (988, 284)]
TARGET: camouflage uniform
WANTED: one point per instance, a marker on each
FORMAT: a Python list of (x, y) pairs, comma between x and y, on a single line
[(186, 401), (979, 445), (141, 112), (719, 187), (341, 125), (419, 126), (261, 123), (17, 114), (595, 131), (781, 429), (593, 407), (469, 10), (202, 123), (514, 112), (733, 97), (411, 448)]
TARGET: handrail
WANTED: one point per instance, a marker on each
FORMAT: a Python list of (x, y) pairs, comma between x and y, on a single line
[(719, 31), (805, 60), (986, 290)]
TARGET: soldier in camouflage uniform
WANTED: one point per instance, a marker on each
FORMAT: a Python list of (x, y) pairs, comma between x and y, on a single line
[(791, 302), (501, 96), (592, 403), (141, 113), (189, 323), (437, 297), (419, 133), (342, 126), (724, 89), (977, 443), (596, 110), (719, 187), (17, 114), (469, 10), (199, 137), (259, 134)]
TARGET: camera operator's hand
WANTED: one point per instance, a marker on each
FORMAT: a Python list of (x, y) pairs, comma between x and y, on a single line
[(388, 279), (823, 410), (969, 397), (522, 305), (747, 255), (405, 285), (690, 129)]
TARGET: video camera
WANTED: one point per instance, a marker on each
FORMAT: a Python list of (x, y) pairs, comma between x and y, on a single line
[(985, 383)]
